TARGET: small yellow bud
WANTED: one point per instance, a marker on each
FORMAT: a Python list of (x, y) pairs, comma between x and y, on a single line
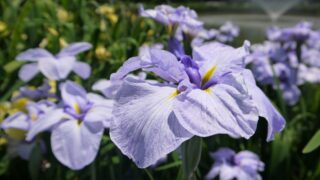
[(3, 26), (63, 43), (63, 15), (102, 53), (44, 43), (53, 31)]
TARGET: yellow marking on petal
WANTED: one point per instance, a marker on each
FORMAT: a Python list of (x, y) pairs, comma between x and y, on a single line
[(77, 108), (34, 117), (174, 94), (207, 76), (207, 90)]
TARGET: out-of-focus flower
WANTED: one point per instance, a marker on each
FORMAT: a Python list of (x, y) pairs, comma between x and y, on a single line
[(63, 43), (53, 31), (44, 43), (3, 26), (113, 18), (63, 15), (105, 10), (17, 125), (228, 165), (76, 127), (102, 53), (288, 58), (109, 12), (181, 17), (228, 32), (212, 87), (56, 67), (299, 33), (35, 94)]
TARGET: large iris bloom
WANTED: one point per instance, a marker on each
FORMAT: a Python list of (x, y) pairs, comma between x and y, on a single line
[(208, 94), (244, 165), (77, 127), (54, 67)]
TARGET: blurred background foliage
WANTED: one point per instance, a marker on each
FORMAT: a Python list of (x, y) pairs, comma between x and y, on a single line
[(116, 33)]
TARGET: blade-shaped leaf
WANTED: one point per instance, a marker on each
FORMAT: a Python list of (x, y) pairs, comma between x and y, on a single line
[(313, 143)]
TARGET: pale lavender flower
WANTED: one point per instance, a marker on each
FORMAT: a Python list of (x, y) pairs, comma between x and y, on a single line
[(227, 32), (300, 33), (24, 122), (54, 67), (42, 92), (208, 94), (167, 15), (76, 127), (229, 165)]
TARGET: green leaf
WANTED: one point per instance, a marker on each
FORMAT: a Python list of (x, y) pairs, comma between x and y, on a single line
[(191, 153), (4, 164), (35, 162), (313, 143)]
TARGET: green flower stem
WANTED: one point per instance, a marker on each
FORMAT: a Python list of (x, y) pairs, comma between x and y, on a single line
[(191, 154)]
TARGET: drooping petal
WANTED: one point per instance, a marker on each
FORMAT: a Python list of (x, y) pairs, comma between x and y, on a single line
[(74, 95), (222, 109), (266, 109), (144, 126), (17, 121), (82, 69), (28, 71), (46, 122), (75, 145), (74, 49), (34, 55), (56, 69)]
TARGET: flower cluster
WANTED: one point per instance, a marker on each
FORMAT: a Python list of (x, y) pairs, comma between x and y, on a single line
[(200, 90), (229, 165), (287, 59)]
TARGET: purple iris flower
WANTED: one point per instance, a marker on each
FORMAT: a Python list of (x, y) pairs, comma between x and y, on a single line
[(228, 32), (54, 67), (269, 61), (24, 122), (167, 15), (208, 94), (229, 165), (39, 93), (300, 33), (77, 127)]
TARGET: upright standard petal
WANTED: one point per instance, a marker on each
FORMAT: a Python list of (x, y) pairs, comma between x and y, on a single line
[(34, 55), (73, 95), (82, 69), (75, 145), (222, 109), (74, 49), (144, 126), (46, 122), (28, 71), (266, 109), (56, 69)]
